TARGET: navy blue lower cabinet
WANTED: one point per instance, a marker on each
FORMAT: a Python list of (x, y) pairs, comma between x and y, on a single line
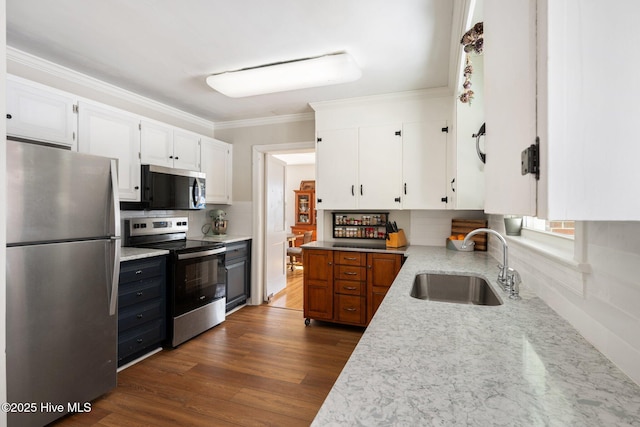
[(142, 307)]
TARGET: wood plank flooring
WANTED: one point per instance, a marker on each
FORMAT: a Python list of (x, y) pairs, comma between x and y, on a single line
[(291, 296), (261, 367)]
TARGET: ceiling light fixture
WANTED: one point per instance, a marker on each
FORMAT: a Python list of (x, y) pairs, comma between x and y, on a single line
[(289, 75)]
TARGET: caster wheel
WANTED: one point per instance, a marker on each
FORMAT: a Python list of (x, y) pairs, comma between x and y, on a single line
[(307, 322)]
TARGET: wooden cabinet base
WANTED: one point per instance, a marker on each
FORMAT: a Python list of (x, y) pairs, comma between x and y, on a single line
[(346, 287)]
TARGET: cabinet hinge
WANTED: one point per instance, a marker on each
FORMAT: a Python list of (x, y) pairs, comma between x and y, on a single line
[(445, 129), (75, 108), (530, 159), (398, 133), (139, 126), (139, 155)]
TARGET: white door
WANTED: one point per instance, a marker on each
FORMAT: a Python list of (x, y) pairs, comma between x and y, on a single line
[(186, 150), (276, 235)]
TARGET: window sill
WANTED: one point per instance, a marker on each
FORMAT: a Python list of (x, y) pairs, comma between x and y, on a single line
[(558, 249)]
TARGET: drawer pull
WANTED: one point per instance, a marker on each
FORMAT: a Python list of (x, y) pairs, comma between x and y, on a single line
[(349, 288), (139, 272), (350, 258), (139, 294), (349, 309), (139, 316), (139, 340), (350, 273)]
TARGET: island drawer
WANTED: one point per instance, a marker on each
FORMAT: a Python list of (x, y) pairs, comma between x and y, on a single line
[(350, 309), (348, 272), (350, 258)]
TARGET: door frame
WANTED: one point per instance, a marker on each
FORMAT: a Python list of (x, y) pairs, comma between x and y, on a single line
[(259, 214)]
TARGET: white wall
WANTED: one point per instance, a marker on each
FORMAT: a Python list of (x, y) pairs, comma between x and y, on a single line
[(603, 304)]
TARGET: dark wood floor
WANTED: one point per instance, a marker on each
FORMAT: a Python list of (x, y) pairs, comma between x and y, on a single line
[(261, 367)]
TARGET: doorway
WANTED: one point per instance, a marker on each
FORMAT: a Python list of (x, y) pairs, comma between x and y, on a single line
[(299, 160)]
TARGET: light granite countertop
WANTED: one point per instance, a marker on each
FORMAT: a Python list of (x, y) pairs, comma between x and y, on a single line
[(129, 254), (432, 363)]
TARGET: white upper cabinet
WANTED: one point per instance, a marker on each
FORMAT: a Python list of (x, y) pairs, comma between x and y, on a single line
[(186, 150), (379, 167), (509, 104), (337, 169), (156, 143), (216, 158), (164, 145), (359, 168), (424, 165), (40, 113), (113, 133), (548, 74)]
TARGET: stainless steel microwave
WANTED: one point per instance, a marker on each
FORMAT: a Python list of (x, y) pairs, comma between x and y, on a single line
[(168, 188)]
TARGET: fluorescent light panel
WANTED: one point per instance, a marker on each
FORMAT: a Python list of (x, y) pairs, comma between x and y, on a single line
[(291, 75)]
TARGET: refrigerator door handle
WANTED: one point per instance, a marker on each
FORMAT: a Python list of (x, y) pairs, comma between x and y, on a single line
[(115, 278), (116, 198)]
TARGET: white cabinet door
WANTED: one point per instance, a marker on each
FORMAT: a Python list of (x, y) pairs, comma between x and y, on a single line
[(424, 165), (337, 169), (156, 143), (216, 161), (113, 133), (40, 113), (588, 110), (509, 104), (186, 150), (380, 167)]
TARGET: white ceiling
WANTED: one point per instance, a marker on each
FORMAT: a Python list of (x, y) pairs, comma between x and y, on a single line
[(164, 49)]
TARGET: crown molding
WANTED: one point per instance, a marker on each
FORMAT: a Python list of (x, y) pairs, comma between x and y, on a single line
[(28, 60), (262, 121), (439, 92)]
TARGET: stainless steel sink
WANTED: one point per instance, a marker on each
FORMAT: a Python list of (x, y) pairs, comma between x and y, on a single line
[(458, 289)]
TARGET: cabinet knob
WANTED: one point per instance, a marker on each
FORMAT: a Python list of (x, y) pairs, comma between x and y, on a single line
[(139, 272), (9, 116), (177, 158), (397, 199), (136, 187), (139, 340), (171, 157), (139, 316), (139, 294)]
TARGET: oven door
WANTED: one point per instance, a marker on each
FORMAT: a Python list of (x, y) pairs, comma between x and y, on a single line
[(199, 278)]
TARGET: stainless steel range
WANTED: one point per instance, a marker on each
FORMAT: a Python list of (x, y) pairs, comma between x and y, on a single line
[(196, 276)]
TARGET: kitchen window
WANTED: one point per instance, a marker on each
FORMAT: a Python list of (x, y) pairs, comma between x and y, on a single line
[(559, 227), (561, 241)]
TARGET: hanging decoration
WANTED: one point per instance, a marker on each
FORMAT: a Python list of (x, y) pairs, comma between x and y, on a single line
[(473, 42)]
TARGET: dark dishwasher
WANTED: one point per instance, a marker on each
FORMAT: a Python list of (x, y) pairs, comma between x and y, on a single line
[(238, 265)]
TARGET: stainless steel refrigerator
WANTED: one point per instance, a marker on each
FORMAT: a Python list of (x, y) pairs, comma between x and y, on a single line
[(63, 263)]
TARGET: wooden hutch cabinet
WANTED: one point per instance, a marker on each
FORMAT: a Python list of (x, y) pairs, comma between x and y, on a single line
[(305, 210)]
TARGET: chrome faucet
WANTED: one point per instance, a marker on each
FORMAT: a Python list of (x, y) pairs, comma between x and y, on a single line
[(503, 277)]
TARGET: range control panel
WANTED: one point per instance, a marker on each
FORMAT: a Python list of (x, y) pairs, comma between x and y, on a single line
[(151, 226)]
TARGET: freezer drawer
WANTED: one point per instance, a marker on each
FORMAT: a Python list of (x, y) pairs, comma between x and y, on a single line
[(61, 334)]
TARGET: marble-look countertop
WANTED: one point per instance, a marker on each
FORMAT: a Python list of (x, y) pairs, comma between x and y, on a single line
[(440, 364), (225, 238), (129, 254)]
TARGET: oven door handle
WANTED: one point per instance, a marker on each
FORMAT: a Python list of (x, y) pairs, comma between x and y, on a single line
[(190, 255)]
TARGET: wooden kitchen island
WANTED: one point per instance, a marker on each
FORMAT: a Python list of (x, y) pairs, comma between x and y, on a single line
[(347, 284)]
